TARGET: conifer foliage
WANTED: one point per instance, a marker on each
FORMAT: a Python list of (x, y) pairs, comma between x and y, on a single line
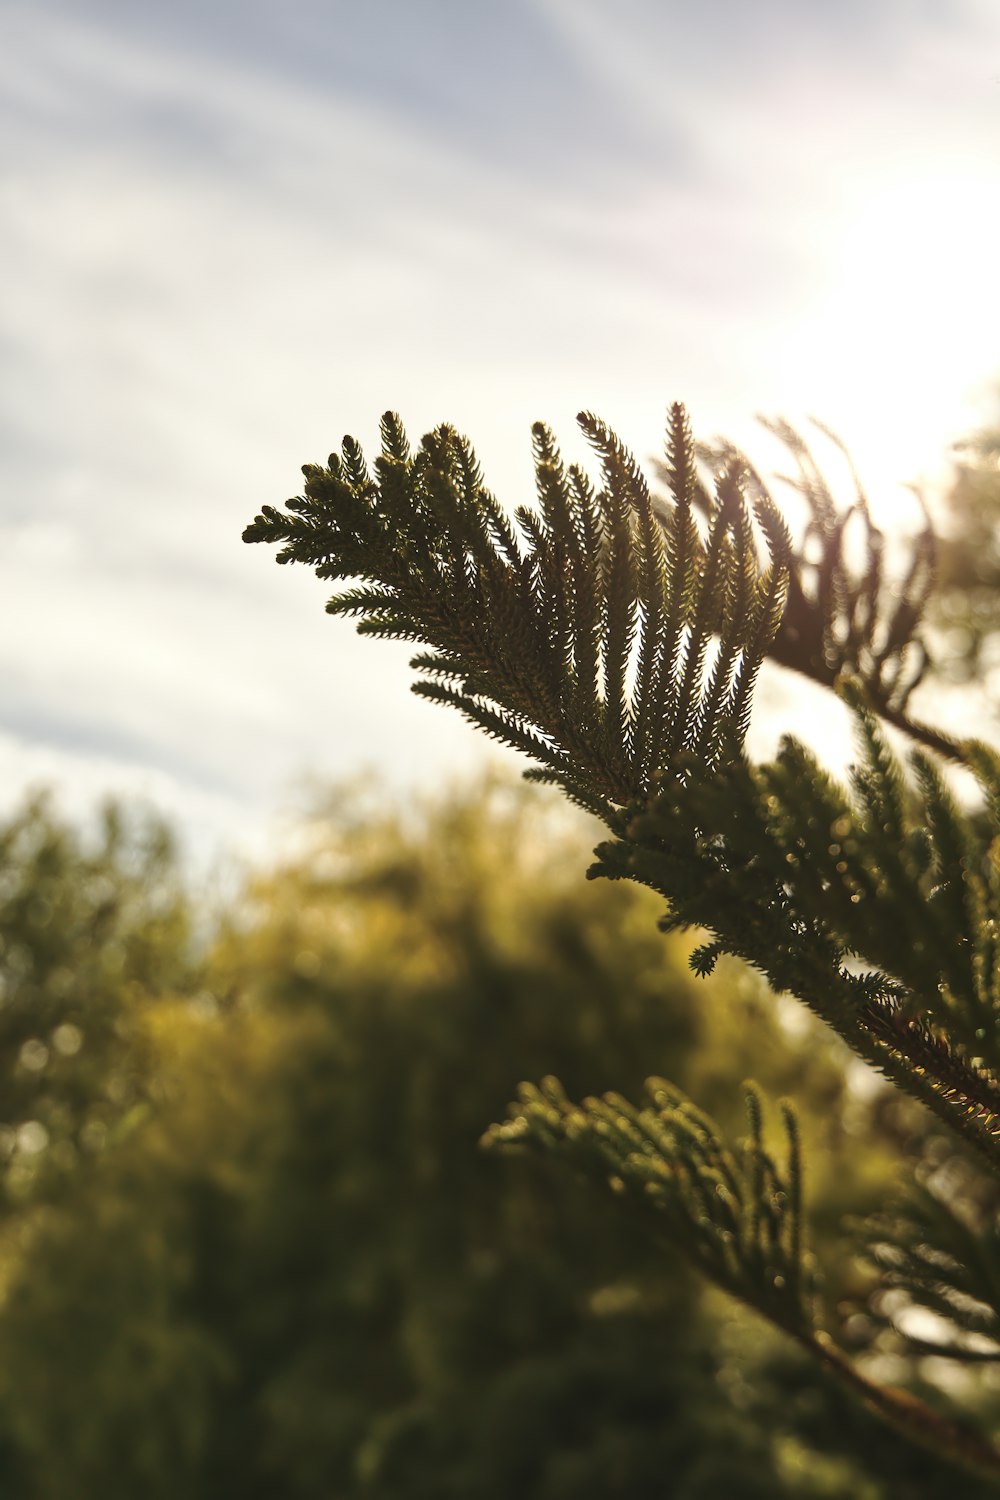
[(615, 638), (581, 637), (736, 1215), (843, 614)]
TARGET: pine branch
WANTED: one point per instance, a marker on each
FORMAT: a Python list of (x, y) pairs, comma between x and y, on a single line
[(734, 1212), (843, 617), (947, 1261), (878, 906), (955, 1441), (617, 648), (615, 641), (596, 634)]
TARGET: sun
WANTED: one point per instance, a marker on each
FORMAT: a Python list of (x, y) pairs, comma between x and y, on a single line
[(902, 344)]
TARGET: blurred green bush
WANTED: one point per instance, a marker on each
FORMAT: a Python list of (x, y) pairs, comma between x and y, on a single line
[(249, 1246)]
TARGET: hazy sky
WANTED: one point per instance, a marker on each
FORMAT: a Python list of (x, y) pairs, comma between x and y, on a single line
[(235, 229)]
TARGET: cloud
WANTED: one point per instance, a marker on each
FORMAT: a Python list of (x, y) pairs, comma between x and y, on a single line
[(237, 231)]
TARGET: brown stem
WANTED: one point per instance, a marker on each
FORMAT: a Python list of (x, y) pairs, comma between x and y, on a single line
[(933, 739), (912, 1417)]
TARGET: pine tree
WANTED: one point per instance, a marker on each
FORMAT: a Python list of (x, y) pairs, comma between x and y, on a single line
[(614, 636)]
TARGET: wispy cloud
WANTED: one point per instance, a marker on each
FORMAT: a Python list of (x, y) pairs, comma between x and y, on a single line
[(236, 231)]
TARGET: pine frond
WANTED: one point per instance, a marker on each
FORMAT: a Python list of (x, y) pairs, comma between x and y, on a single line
[(844, 614), (596, 634), (735, 1213), (878, 905), (615, 641), (945, 1259), (619, 655)]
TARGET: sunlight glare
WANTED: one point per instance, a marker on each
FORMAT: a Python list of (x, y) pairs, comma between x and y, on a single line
[(901, 353)]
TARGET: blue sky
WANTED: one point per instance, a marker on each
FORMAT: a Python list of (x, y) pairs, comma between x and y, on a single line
[(234, 231)]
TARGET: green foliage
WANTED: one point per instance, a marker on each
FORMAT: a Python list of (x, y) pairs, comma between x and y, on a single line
[(583, 642), (733, 1214), (616, 642), (844, 614), (298, 1274), (879, 910), (91, 934), (965, 608), (939, 1250)]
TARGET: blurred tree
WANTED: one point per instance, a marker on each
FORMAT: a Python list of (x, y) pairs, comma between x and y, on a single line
[(300, 1277), (95, 932), (92, 932), (966, 606)]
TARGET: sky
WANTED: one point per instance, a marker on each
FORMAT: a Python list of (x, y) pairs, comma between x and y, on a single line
[(233, 230)]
